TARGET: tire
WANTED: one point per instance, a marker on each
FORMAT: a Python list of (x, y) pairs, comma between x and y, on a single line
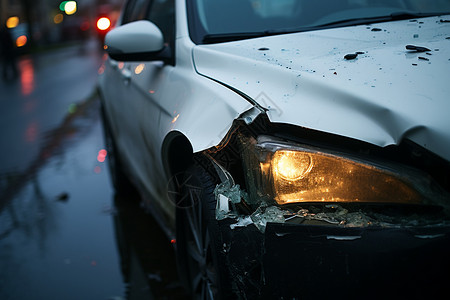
[(119, 179), (201, 262)]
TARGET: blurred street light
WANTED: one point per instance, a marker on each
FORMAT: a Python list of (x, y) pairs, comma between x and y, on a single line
[(70, 7), (21, 41), (12, 22), (62, 5), (103, 23), (58, 18)]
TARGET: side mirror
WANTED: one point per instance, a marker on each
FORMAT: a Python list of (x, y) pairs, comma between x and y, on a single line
[(136, 41)]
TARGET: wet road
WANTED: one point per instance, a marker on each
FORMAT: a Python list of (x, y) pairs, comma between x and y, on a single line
[(63, 232)]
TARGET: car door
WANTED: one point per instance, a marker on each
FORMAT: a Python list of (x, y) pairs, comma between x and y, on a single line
[(142, 90)]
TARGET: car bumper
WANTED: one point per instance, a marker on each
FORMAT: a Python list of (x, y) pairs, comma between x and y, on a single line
[(305, 261)]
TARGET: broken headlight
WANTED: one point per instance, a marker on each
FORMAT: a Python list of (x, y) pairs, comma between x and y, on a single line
[(287, 173)]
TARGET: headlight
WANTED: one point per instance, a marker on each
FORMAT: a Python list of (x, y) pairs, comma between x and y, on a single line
[(303, 176), (288, 173)]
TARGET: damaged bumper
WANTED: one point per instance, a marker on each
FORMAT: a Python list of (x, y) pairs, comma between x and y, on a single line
[(350, 261), (334, 251), (305, 261)]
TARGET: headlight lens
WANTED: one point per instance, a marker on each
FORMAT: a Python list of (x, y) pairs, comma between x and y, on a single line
[(291, 165), (287, 173), (302, 176)]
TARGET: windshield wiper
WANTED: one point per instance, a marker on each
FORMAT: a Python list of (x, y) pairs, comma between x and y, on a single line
[(396, 16), (229, 37)]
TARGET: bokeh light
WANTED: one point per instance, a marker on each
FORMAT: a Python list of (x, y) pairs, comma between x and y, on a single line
[(21, 41), (139, 68), (12, 22), (27, 81), (102, 155), (58, 18), (62, 5), (70, 7), (103, 23)]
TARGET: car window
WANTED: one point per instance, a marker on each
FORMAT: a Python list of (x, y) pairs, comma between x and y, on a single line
[(162, 13), (228, 17), (135, 10)]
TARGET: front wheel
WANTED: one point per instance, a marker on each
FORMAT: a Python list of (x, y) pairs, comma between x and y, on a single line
[(199, 241)]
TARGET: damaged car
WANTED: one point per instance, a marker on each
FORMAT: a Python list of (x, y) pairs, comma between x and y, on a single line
[(293, 148)]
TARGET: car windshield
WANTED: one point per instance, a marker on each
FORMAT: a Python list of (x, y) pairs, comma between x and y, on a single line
[(226, 20)]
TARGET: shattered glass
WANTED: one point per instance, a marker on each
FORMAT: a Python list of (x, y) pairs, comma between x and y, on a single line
[(228, 194), (231, 191), (242, 221), (271, 214)]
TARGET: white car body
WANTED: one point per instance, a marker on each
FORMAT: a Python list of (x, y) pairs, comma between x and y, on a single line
[(385, 95), (368, 104)]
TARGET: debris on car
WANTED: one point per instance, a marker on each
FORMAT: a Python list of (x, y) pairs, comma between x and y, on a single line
[(417, 48)]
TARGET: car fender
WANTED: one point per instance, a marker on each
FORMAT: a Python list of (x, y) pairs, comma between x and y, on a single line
[(200, 109), (203, 112)]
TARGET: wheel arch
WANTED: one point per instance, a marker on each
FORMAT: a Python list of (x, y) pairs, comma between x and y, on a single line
[(176, 153)]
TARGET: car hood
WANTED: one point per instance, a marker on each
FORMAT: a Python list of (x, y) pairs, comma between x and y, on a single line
[(386, 94)]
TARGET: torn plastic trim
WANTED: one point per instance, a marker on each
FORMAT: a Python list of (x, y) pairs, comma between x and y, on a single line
[(247, 117), (250, 115)]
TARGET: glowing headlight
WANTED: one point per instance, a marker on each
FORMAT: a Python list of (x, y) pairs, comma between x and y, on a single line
[(301, 176), (290, 173), (291, 165)]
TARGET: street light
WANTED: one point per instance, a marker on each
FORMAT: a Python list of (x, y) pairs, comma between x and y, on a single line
[(12, 22), (103, 23), (69, 7)]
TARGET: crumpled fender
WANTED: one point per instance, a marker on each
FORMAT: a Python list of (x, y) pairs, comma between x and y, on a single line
[(385, 94)]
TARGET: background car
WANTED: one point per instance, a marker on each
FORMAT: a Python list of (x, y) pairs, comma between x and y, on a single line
[(294, 148)]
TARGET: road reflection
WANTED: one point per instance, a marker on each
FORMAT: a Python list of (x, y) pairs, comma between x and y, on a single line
[(63, 232), (86, 115), (26, 70), (29, 217), (147, 258)]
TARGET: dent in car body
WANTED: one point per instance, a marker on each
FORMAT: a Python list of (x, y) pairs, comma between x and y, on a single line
[(378, 97)]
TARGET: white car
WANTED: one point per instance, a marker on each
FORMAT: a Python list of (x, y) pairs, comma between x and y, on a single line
[(288, 145)]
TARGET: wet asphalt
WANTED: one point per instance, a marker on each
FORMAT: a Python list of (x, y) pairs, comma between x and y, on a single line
[(64, 233)]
